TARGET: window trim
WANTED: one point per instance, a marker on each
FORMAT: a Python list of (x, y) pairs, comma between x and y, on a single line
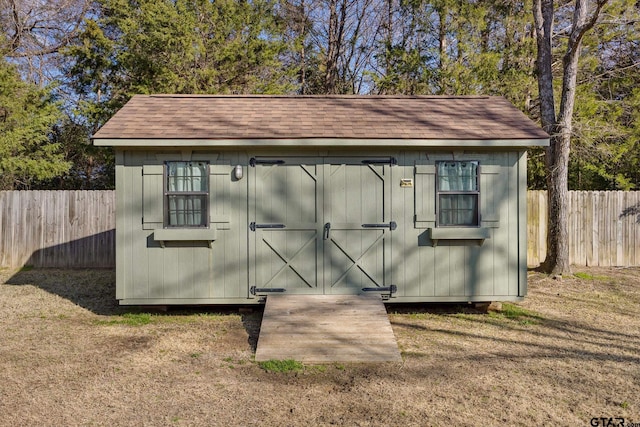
[(476, 192), (167, 194)]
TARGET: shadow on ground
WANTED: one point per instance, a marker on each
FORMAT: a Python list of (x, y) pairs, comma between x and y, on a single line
[(95, 290), (434, 308), (91, 289)]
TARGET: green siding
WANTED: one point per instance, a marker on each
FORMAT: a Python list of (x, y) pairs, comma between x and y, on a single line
[(316, 187)]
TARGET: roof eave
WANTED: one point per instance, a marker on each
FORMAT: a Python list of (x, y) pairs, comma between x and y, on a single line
[(319, 142)]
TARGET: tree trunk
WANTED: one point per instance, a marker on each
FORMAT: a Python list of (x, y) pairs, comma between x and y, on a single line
[(303, 54), (557, 260), (334, 43), (389, 41), (543, 17), (560, 127), (442, 37)]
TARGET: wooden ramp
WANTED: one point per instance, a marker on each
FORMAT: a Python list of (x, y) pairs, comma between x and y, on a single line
[(326, 328)]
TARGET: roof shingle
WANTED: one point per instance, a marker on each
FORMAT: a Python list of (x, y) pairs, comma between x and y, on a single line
[(219, 117)]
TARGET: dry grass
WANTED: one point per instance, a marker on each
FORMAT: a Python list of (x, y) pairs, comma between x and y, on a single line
[(70, 356)]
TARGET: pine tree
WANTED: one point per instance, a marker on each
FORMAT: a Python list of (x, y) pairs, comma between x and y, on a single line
[(182, 46), (27, 118)]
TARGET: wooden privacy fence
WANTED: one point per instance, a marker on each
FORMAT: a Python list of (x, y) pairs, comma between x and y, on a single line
[(57, 228), (76, 228), (604, 228)]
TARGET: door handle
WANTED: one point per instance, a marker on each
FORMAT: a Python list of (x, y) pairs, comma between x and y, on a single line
[(327, 230)]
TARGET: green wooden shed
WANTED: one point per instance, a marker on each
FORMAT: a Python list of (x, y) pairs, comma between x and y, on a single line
[(227, 199)]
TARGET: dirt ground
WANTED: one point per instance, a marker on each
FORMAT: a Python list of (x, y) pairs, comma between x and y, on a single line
[(70, 356)]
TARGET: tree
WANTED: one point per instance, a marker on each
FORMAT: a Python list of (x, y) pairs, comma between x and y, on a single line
[(336, 43), (559, 126), (182, 46), (458, 48), (604, 150), (36, 31), (91, 167), (97, 53), (27, 118)]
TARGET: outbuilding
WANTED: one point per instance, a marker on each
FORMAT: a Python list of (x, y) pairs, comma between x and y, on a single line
[(227, 199)]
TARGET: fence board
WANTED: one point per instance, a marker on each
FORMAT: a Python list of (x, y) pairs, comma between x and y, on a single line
[(76, 228), (591, 255), (600, 234), (57, 229), (537, 220)]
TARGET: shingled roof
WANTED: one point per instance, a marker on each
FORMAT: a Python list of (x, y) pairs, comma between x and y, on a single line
[(211, 118)]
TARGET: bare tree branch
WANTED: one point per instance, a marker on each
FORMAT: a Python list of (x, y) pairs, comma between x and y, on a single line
[(35, 30)]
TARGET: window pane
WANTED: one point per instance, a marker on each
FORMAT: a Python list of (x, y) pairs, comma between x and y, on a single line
[(458, 209), (458, 176), (187, 211), (186, 176)]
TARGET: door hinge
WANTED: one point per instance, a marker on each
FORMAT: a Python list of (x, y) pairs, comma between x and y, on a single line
[(390, 225), (253, 162), (253, 226), (389, 161), (392, 289), (254, 290)]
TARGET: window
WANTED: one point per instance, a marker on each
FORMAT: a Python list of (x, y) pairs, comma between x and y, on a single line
[(186, 194), (457, 193)]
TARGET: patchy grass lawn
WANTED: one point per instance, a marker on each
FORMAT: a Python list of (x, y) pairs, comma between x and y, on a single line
[(69, 355)]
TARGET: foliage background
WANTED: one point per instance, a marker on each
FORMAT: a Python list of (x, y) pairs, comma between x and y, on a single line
[(68, 65)]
